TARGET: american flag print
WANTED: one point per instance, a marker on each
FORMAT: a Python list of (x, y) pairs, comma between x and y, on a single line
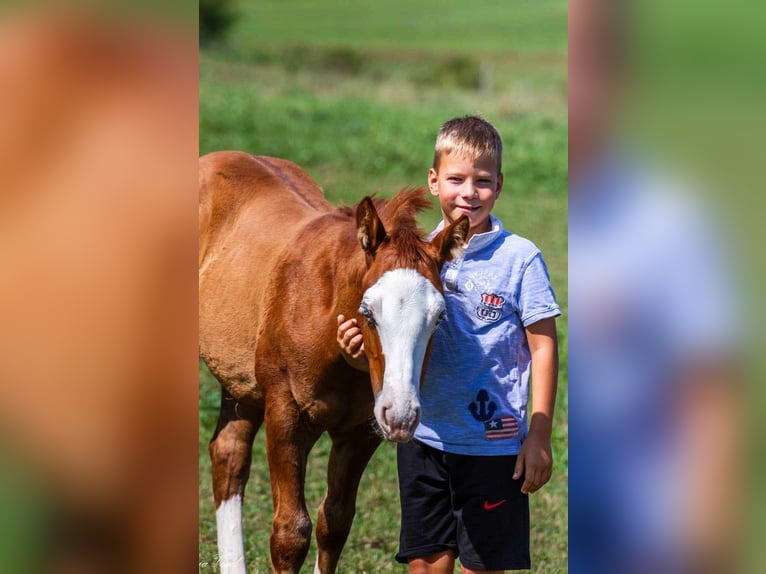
[(501, 428)]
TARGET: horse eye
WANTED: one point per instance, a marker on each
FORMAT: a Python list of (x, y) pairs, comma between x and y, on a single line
[(367, 314), (442, 316)]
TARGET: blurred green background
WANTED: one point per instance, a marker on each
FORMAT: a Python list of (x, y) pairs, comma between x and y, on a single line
[(355, 92)]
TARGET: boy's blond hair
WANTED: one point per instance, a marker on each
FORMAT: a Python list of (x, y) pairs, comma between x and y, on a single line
[(469, 136)]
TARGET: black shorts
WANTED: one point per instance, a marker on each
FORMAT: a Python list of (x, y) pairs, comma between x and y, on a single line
[(468, 504)]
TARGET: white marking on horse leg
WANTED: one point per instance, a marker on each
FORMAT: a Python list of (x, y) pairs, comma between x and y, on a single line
[(316, 566), (231, 542)]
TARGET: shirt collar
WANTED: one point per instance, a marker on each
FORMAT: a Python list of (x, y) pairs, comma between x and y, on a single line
[(477, 241)]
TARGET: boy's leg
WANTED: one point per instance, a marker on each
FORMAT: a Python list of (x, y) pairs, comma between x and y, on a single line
[(440, 563), (428, 539), (492, 513)]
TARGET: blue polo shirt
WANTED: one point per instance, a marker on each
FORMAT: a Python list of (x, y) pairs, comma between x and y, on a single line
[(474, 396)]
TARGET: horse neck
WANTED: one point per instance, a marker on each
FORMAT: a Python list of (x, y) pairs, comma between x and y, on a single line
[(350, 272)]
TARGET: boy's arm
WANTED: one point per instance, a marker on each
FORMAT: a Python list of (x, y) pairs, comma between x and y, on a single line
[(535, 459), (351, 344)]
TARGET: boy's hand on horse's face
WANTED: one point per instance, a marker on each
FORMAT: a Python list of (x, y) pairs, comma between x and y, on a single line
[(351, 343), (535, 462), (350, 337)]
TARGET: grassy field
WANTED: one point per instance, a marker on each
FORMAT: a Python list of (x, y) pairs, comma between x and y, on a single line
[(354, 93)]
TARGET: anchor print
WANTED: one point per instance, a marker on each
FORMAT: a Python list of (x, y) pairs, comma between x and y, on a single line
[(485, 409)]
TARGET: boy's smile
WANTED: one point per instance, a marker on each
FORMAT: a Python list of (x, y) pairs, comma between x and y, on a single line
[(466, 186)]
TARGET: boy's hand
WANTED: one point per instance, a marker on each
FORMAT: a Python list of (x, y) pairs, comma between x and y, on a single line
[(535, 461), (351, 343)]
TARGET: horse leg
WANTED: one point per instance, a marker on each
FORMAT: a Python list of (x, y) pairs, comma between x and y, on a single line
[(230, 455), (349, 456), (288, 441)]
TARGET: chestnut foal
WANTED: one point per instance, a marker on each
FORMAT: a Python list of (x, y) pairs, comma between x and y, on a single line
[(278, 264)]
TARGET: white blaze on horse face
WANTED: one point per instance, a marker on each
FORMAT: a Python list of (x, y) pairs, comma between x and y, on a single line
[(404, 307), (231, 542)]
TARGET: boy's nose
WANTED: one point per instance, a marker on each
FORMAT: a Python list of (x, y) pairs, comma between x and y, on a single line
[(468, 191)]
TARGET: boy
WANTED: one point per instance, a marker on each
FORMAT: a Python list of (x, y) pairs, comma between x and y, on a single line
[(464, 481)]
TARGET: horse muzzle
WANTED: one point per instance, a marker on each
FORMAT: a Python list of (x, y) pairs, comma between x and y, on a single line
[(397, 424)]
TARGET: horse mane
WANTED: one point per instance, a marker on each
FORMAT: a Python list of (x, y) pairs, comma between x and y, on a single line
[(399, 214), (399, 217)]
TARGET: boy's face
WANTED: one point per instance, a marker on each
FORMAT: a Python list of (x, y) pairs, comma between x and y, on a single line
[(466, 186)]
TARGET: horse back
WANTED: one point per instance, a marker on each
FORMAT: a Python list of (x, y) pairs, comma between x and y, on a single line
[(250, 208), (236, 185)]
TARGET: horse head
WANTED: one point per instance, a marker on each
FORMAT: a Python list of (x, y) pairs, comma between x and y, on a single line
[(402, 303)]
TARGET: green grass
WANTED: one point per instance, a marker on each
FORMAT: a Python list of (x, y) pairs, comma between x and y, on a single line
[(354, 93), (523, 26)]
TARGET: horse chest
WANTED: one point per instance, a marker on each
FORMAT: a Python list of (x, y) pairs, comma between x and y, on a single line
[(338, 405)]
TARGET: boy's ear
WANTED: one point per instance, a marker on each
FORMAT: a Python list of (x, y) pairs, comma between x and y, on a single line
[(433, 179), (369, 227), (451, 241)]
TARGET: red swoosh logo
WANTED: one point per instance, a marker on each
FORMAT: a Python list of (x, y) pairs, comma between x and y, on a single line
[(488, 506)]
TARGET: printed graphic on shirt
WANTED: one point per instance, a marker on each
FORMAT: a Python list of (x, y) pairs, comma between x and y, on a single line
[(482, 408), (501, 428), (485, 279), (490, 307)]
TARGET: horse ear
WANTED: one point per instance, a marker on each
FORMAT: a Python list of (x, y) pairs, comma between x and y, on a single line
[(451, 240), (369, 227)]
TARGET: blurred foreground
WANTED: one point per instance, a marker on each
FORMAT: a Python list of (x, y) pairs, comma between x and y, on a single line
[(98, 150), (662, 246)]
